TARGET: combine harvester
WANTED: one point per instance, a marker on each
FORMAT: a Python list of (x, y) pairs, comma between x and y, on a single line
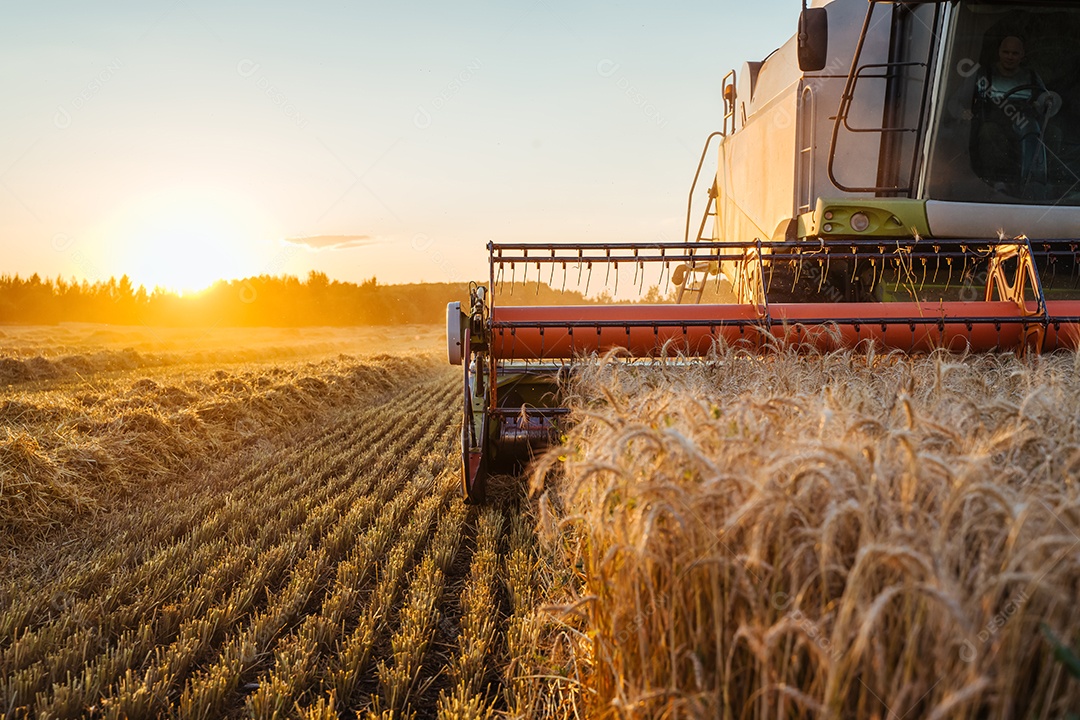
[(899, 173)]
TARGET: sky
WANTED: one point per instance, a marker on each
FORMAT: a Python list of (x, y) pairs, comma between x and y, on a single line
[(186, 141)]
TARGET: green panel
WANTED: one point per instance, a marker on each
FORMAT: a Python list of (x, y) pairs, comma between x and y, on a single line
[(887, 217)]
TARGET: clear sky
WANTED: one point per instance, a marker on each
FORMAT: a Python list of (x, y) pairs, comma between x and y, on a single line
[(181, 142)]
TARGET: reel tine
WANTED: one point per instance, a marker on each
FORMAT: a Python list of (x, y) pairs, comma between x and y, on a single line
[(881, 252)]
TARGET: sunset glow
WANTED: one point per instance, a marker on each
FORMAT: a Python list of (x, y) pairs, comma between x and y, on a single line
[(179, 143), (184, 239)]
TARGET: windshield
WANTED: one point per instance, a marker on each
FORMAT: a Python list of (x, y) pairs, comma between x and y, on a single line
[(1008, 123)]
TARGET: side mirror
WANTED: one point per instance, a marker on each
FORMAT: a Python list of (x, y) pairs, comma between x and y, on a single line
[(813, 39)]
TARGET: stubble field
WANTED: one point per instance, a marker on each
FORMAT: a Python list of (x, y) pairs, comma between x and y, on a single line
[(279, 533), (205, 539)]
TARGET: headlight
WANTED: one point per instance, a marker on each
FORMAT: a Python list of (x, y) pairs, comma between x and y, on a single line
[(860, 222)]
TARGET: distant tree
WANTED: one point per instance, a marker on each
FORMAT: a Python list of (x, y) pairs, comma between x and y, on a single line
[(278, 301)]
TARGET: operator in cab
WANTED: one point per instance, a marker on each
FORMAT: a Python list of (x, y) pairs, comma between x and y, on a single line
[(1009, 108)]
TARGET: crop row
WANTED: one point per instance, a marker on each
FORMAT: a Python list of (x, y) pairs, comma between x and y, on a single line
[(167, 573), (399, 678), (273, 568), (472, 663), (163, 541), (73, 449)]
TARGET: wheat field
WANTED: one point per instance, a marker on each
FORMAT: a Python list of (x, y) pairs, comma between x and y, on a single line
[(280, 534), (834, 536)]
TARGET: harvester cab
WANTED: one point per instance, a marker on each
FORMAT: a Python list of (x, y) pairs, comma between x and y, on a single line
[(903, 174)]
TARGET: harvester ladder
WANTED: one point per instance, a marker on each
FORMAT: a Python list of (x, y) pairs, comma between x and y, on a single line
[(695, 285), (693, 188)]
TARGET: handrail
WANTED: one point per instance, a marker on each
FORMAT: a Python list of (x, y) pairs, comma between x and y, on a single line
[(697, 175), (859, 74)]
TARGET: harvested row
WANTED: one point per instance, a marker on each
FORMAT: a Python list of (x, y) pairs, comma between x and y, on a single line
[(299, 552), (310, 574), (287, 563), (356, 653), (526, 630), (189, 522), (399, 678), (173, 566), (331, 572), (66, 449), (299, 656), (473, 661)]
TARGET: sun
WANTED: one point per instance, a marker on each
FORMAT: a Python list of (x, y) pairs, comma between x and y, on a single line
[(185, 239)]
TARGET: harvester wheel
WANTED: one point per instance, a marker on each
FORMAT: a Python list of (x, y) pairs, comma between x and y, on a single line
[(474, 445), (474, 467)]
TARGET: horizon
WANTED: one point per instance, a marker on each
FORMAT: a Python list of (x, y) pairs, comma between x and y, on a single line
[(304, 278)]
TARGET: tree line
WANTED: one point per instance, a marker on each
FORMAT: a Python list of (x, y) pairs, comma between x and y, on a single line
[(272, 301)]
